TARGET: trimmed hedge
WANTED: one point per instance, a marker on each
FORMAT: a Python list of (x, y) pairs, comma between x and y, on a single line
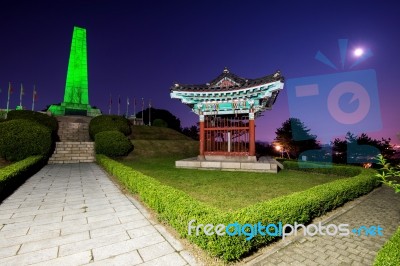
[(112, 143), (43, 119), (20, 139), (12, 176), (172, 205), (340, 170), (178, 208), (389, 255), (109, 123)]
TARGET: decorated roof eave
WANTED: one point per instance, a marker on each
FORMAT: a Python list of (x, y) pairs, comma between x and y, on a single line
[(236, 96), (240, 83), (255, 92), (243, 107)]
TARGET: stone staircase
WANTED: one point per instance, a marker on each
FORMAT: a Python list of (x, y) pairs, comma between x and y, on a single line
[(75, 145)]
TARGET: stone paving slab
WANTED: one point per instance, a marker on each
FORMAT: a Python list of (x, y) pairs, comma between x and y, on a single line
[(73, 214), (380, 207)]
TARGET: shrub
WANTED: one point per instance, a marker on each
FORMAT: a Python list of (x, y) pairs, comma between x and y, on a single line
[(387, 173), (159, 123), (43, 119), (178, 208), (2, 116), (340, 170), (109, 123), (48, 121), (112, 143), (12, 176), (389, 255), (20, 139)]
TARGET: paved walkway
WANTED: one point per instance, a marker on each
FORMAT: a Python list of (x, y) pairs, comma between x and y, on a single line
[(73, 214), (381, 207)]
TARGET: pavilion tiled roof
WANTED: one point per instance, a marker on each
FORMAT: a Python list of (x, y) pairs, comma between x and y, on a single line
[(240, 83)]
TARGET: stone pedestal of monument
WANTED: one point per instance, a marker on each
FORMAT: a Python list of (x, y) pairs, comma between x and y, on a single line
[(75, 145)]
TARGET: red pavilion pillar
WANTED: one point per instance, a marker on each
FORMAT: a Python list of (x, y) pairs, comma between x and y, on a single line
[(252, 135), (201, 133)]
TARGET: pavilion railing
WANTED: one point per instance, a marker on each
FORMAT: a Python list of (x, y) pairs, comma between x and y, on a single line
[(226, 135)]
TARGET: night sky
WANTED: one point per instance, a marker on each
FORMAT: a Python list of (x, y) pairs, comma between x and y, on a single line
[(140, 48)]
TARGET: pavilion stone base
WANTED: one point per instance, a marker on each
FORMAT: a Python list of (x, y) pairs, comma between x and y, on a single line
[(231, 163)]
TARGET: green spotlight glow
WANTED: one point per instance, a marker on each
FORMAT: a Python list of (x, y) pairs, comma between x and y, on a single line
[(76, 87), (76, 93)]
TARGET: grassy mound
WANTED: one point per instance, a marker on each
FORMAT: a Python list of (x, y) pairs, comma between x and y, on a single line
[(158, 142), (108, 123), (177, 149), (156, 133)]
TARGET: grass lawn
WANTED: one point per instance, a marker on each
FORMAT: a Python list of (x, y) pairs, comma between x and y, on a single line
[(227, 190), (156, 133), (156, 150)]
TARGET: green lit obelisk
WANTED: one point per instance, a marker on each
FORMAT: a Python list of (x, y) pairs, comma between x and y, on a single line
[(76, 94), (76, 87)]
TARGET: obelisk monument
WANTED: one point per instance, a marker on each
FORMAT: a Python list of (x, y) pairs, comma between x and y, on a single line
[(76, 93)]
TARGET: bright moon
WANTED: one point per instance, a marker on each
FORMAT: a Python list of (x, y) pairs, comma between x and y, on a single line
[(358, 52)]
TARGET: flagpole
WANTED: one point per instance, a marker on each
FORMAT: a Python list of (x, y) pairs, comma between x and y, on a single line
[(20, 96), (142, 111), (109, 105), (127, 107), (33, 97), (150, 112), (119, 103), (134, 107), (8, 97)]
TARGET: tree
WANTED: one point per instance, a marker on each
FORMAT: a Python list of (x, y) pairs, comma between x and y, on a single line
[(264, 149), (172, 121), (159, 123), (192, 132), (294, 138), (354, 145), (386, 148), (339, 148)]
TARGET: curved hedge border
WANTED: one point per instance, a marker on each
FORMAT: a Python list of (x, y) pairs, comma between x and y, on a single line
[(389, 255), (178, 208), (342, 170), (12, 176)]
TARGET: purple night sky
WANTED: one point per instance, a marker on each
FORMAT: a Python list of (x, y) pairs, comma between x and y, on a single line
[(140, 48)]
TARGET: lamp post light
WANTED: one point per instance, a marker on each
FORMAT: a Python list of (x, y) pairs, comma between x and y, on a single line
[(279, 149)]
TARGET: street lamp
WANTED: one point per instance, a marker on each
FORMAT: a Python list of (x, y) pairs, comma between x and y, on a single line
[(279, 149)]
